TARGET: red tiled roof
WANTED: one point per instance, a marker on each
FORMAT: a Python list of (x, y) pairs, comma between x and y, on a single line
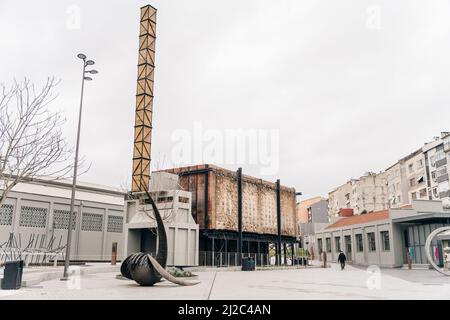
[(363, 218)]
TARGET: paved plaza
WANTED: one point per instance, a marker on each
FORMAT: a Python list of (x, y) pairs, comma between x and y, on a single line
[(310, 283)]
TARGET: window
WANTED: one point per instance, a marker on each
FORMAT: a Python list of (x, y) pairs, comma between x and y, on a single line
[(320, 245), (165, 199), (420, 164), (439, 155), (337, 243), (433, 175), (371, 241), (92, 222), (115, 224), (410, 168), (423, 193), (6, 214), (328, 244), (183, 199), (435, 193), (33, 217), (413, 196), (412, 182), (61, 219), (385, 240), (359, 243)]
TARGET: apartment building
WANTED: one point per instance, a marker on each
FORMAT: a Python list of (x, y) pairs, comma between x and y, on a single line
[(422, 175), (339, 198), (416, 176), (397, 188), (437, 155), (365, 194)]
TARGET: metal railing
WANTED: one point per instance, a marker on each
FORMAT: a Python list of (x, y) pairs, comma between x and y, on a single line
[(231, 259)]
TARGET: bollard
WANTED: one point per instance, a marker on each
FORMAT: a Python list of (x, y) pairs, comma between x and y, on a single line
[(324, 259), (114, 254)]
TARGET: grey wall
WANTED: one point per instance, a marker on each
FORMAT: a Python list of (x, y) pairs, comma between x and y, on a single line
[(97, 226), (320, 211)]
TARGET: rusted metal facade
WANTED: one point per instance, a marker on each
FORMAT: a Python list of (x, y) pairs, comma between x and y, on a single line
[(215, 207)]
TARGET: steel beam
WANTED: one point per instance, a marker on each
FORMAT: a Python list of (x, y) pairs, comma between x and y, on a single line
[(278, 251), (239, 187)]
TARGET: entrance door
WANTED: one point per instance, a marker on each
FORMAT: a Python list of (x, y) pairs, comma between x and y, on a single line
[(348, 247), (406, 246)]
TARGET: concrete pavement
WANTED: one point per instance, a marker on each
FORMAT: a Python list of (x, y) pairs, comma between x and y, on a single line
[(298, 284)]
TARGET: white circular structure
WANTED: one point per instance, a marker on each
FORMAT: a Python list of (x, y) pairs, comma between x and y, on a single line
[(427, 249)]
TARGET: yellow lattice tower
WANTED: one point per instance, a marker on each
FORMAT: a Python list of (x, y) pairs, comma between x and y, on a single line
[(144, 101)]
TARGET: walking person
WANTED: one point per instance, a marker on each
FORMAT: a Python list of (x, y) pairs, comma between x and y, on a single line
[(341, 259)]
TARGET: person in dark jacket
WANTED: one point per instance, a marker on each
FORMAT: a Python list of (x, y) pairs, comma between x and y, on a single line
[(341, 259)]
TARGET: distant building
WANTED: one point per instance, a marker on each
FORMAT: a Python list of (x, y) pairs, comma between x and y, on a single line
[(303, 213), (397, 186), (385, 237), (366, 194), (422, 175), (316, 219)]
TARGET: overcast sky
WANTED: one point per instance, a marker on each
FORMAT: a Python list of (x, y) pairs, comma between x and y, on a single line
[(351, 86)]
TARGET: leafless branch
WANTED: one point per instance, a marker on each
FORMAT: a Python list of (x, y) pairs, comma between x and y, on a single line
[(31, 141)]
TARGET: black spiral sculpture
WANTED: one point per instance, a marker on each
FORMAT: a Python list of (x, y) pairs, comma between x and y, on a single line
[(143, 268)]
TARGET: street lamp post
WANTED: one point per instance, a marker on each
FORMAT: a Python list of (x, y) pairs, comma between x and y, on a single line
[(75, 166)]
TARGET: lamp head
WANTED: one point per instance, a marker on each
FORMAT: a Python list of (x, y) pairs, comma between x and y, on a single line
[(81, 56), (90, 63)]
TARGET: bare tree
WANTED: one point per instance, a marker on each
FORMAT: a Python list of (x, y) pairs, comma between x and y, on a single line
[(31, 141)]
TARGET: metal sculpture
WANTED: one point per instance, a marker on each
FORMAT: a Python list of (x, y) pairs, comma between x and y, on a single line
[(143, 268), (427, 249)]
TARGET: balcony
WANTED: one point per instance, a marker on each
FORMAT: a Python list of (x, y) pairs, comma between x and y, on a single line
[(447, 146)]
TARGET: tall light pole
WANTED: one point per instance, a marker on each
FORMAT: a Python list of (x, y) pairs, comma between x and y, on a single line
[(75, 166)]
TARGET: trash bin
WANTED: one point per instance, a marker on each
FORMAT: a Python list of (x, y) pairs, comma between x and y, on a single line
[(12, 277), (248, 264)]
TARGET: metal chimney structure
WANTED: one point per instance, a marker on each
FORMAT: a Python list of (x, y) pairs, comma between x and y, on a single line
[(144, 101)]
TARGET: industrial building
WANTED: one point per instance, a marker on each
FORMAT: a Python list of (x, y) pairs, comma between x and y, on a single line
[(174, 206), (238, 214), (385, 238), (36, 213)]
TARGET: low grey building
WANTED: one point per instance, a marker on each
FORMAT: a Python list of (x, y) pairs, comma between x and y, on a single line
[(36, 215), (384, 238), (317, 220)]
